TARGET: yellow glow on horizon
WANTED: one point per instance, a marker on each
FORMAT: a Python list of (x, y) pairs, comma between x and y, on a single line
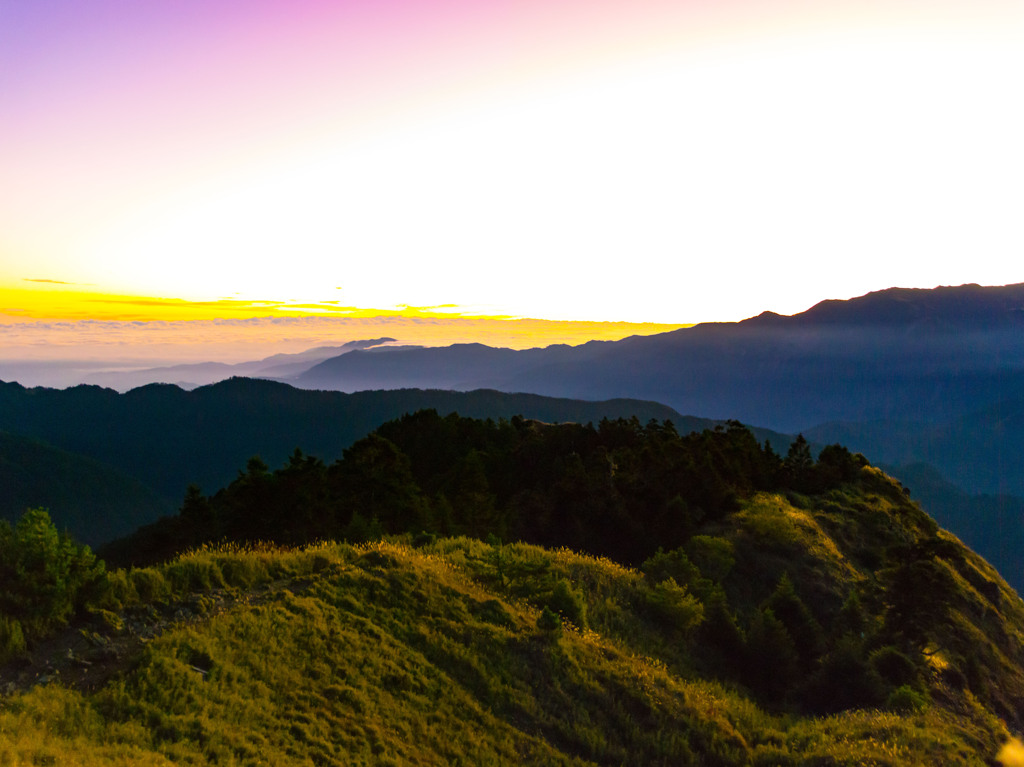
[(56, 300), (52, 302)]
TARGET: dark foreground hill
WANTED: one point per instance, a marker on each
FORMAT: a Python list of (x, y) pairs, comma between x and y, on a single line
[(837, 627), (165, 438)]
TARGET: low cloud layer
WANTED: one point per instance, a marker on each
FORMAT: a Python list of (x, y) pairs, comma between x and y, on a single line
[(118, 345)]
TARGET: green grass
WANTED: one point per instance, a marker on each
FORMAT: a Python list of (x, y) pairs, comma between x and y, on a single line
[(388, 654)]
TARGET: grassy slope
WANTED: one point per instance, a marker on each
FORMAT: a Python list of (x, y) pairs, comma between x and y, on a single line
[(386, 654)]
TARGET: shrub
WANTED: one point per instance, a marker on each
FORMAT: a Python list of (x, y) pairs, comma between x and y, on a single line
[(720, 632), (674, 607), (241, 570), (150, 585), (110, 621), (121, 589), (423, 538), (193, 574), (549, 622), (673, 564), (907, 700), (714, 556), (845, 680), (894, 667), (12, 640), (45, 576), (569, 604)]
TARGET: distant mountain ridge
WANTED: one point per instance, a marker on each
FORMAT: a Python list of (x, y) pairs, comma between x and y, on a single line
[(196, 374), (898, 355), (951, 348), (982, 307)]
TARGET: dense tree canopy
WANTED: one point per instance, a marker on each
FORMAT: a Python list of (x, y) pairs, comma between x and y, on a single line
[(620, 488)]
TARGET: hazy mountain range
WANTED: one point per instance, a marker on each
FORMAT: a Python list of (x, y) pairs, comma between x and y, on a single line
[(189, 376), (899, 354), (904, 375)]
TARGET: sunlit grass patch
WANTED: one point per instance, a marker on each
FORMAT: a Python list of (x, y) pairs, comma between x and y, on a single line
[(388, 653)]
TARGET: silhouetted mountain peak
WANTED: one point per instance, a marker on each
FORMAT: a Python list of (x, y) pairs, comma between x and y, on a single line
[(942, 307), (320, 352), (243, 385), (765, 318)]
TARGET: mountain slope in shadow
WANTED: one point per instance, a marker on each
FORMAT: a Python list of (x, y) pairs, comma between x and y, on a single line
[(93, 501), (166, 438)]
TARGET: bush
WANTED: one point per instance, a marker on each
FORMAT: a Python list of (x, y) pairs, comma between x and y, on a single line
[(150, 585), (673, 564), (44, 576), (720, 632), (193, 574), (674, 607), (110, 621), (713, 556), (241, 570), (12, 640), (906, 700), (423, 538), (549, 622), (845, 680), (894, 667), (569, 604)]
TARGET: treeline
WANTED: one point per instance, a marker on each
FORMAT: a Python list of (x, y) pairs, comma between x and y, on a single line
[(620, 489)]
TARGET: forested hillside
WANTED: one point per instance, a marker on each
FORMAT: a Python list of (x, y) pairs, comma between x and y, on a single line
[(620, 488), (154, 441), (94, 500)]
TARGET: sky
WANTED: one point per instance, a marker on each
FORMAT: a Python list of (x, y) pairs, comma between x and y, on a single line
[(609, 161)]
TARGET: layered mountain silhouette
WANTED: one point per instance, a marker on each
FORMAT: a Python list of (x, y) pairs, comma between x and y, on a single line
[(929, 368), (161, 438), (902, 354), (189, 376)]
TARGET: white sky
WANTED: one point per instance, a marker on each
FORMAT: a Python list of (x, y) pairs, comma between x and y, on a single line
[(709, 182)]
